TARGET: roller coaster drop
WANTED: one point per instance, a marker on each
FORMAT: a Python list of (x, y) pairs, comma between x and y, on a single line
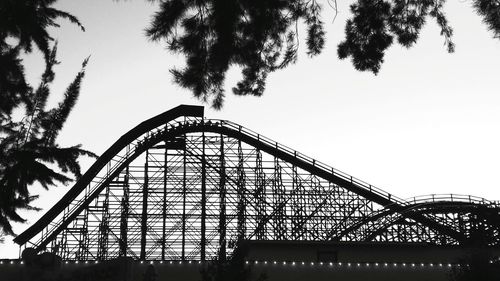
[(182, 187)]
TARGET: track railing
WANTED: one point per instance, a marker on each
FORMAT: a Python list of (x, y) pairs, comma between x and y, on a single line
[(433, 198), (314, 162)]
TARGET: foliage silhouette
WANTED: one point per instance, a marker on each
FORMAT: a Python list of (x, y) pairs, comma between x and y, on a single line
[(28, 148), (23, 24), (262, 36), (27, 22)]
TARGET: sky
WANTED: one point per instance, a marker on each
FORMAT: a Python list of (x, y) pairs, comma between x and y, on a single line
[(426, 124)]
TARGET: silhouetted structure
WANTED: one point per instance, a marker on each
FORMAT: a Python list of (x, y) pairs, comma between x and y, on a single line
[(182, 188)]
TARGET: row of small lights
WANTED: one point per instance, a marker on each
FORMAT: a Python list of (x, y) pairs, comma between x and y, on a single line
[(96, 262), (275, 263), (349, 264), (12, 262), (285, 263)]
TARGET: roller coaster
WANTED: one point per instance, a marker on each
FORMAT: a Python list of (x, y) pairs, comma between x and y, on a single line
[(182, 187)]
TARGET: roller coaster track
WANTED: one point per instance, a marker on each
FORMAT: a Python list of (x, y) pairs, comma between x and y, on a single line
[(172, 127), (434, 203)]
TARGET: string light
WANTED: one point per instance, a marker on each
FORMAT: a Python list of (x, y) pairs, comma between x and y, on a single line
[(349, 264)]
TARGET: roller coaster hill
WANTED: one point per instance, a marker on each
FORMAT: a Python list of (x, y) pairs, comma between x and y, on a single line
[(180, 192)]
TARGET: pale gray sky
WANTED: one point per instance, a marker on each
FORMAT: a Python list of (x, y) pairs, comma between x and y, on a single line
[(428, 123)]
